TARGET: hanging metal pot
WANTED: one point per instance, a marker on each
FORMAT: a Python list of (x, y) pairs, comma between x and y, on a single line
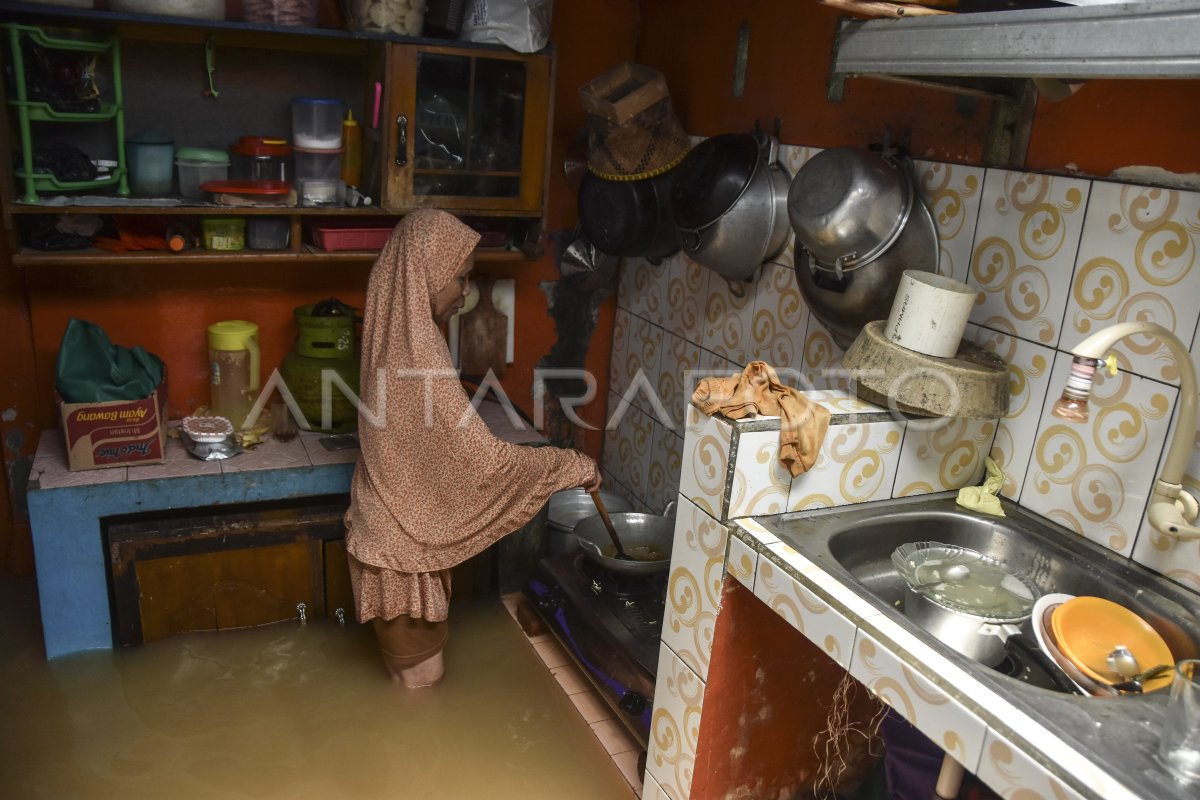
[(729, 201), (629, 218)]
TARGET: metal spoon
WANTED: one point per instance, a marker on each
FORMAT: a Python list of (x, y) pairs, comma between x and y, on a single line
[(954, 573), (1123, 662), (1134, 684)]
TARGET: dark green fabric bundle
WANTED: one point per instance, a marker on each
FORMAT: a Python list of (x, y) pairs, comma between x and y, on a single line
[(92, 369)]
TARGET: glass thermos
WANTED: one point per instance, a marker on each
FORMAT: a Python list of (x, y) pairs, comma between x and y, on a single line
[(233, 369)]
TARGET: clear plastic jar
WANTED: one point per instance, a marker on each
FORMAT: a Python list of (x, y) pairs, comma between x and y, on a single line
[(403, 17)]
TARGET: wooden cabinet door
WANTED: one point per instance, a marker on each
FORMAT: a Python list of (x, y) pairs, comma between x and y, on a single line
[(338, 591), (225, 589), (468, 129)]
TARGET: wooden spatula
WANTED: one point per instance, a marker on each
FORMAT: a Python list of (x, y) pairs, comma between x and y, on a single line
[(621, 554)]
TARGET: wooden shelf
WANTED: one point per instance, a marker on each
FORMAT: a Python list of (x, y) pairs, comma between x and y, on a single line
[(203, 210), (102, 258)]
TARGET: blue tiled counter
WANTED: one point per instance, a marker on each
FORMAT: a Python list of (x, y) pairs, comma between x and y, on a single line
[(67, 509)]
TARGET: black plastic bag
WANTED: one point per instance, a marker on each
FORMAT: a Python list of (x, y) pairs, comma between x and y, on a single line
[(64, 162), (65, 80)]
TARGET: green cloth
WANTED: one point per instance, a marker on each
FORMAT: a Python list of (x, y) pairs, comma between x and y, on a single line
[(985, 499), (92, 369)]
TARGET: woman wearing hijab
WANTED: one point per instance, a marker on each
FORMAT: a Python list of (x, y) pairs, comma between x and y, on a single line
[(432, 486)]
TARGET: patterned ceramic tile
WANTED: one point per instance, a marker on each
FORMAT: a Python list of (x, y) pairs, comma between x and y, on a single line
[(780, 321), (952, 192), (1024, 252), (1138, 260), (756, 531), (717, 366), (643, 346), (760, 482), (179, 463), (829, 589), (662, 475), (705, 466), (943, 454), (919, 700), (804, 611), (1012, 773), (642, 288), (823, 358), (674, 727), (1176, 559), (622, 330), (50, 466), (687, 293), (841, 401), (857, 463), (271, 454), (741, 562), (652, 791), (729, 319), (694, 586), (1028, 384), (319, 454), (627, 445), (1095, 477), (677, 377)]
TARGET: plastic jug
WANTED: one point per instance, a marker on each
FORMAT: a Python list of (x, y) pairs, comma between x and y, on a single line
[(233, 369)]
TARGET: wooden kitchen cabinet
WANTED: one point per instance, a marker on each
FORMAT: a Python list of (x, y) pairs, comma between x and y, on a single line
[(500, 101), (234, 567), (467, 129)]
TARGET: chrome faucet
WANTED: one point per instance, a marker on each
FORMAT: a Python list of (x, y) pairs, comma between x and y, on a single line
[(1172, 510)]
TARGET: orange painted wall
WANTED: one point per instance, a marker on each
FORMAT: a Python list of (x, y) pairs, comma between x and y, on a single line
[(1107, 124)]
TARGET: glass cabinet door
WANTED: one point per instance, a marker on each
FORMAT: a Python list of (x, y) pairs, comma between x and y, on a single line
[(472, 129)]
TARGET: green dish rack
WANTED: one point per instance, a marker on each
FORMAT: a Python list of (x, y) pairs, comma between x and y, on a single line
[(28, 111)]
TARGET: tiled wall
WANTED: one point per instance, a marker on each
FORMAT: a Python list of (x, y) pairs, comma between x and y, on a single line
[(1054, 258)]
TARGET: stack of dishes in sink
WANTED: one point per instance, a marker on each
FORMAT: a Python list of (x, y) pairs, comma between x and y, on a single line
[(1080, 632)]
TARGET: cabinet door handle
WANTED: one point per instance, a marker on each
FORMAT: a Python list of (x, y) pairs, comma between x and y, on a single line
[(402, 145)]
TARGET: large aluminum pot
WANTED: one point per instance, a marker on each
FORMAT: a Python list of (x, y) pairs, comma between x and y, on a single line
[(645, 535), (848, 206), (729, 202), (568, 507), (973, 612)]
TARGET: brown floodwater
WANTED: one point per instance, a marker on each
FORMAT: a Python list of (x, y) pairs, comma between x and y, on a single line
[(289, 711)]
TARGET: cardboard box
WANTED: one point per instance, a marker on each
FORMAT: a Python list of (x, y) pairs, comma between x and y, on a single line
[(115, 433)]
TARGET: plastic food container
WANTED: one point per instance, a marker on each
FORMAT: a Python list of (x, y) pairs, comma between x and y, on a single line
[(224, 233), (322, 192), (267, 233), (330, 239), (317, 123), (281, 12), (260, 158), (405, 17), (197, 165), (247, 193), (151, 163)]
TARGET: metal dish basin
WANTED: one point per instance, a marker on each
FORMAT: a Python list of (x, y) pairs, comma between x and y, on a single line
[(856, 542)]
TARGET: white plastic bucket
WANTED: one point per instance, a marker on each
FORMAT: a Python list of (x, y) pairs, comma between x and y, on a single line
[(929, 313)]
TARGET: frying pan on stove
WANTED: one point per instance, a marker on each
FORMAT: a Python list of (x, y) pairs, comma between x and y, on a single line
[(645, 537)]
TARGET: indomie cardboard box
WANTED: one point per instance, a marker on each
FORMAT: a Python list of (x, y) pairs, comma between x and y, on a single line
[(116, 432)]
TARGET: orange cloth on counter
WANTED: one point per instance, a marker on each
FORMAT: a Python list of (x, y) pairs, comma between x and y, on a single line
[(433, 486), (757, 390)]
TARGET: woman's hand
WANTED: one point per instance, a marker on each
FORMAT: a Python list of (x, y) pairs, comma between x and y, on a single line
[(597, 479)]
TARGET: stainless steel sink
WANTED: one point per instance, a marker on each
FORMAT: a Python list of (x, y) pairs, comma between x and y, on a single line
[(855, 543)]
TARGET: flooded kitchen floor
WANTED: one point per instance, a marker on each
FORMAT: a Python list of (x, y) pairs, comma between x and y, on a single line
[(289, 711)]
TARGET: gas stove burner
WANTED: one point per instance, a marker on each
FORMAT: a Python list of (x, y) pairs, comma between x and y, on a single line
[(611, 624)]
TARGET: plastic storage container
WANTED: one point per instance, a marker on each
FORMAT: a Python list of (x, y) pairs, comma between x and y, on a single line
[(151, 163), (260, 158), (319, 177), (331, 239), (224, 233), (197, 165), (405, 17), (267, 233), (281, 12), (249, 193), (316, 123)]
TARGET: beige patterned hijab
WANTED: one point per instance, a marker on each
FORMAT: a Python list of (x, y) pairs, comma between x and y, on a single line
[(433, 486)]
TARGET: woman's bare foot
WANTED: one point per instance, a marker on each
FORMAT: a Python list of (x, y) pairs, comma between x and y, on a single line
[(423, 675)]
